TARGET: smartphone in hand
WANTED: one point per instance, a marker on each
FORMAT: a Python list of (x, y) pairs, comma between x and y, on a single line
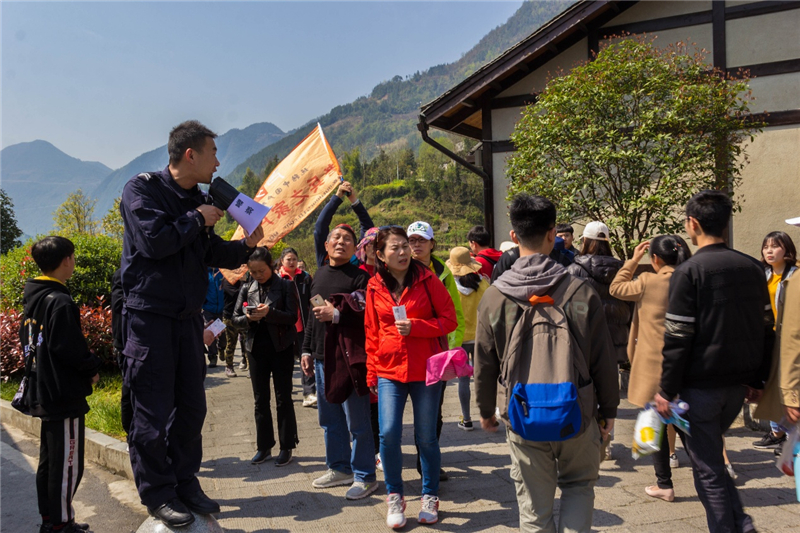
[(317, 300)]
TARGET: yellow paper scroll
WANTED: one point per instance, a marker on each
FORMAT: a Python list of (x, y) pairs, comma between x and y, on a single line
[(305, 177)]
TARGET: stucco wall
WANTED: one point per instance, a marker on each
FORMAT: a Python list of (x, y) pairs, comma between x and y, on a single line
[(771, 181), (770, 187)]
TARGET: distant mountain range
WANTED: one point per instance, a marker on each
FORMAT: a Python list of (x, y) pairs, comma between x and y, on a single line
[(233, 147), (38, 176)]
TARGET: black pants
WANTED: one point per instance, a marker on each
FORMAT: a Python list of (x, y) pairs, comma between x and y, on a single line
[(125, 405), (60, 468), (164, 369), (265, 362), (711, 413), (661, 460)]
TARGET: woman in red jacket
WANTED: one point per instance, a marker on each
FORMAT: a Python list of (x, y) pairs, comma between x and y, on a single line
[(397, 353)]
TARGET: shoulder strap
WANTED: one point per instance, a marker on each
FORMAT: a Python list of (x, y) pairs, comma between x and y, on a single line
[(493, 262)]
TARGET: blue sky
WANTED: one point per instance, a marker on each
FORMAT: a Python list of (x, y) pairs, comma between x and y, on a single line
[(105, 81)]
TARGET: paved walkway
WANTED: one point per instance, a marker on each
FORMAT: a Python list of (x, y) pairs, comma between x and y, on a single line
[(479, 495)]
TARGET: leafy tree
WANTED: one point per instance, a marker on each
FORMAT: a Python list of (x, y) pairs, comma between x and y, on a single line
[(76, 215), (9, 238), (352, 168), (629, 137), (250, 183), (112, 222)]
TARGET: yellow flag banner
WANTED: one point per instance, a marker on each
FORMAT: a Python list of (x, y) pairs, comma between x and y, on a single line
[(305, 177)]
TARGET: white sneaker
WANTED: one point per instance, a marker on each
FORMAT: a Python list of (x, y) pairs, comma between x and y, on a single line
[(309, 400), (378, 462), (673, 461), (360, 489), (429, 514), (395, 515), (332, 478)]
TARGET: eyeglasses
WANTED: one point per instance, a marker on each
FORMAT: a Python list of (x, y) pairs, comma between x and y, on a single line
[(417, 241)]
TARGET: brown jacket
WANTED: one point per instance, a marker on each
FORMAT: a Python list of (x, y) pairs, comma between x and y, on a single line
[(783, 385), (497, 315), (650, 292)]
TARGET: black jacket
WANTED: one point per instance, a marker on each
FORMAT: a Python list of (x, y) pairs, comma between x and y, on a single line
[(599, 271), (280, 320), (64, 366), (719, 323)]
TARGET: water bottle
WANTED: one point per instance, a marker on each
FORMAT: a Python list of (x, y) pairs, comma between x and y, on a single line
[(679, 407)]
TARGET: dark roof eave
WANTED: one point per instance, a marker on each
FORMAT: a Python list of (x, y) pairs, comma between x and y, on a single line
[(569, 19)]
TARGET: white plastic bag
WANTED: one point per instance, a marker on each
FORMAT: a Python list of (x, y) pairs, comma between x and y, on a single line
[(647, 432)]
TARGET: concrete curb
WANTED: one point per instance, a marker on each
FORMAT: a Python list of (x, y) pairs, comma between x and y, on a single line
[(100, 449)]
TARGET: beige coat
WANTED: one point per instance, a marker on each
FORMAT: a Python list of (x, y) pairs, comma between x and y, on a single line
[(783, 385), (651, 293)]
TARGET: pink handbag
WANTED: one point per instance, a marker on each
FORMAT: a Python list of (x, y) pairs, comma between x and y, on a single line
[(447, 365)]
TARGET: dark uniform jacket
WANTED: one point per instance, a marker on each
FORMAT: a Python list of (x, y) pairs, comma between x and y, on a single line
[(167, 247), (64, 366)]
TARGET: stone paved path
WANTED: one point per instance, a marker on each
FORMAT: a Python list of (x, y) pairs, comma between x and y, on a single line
[(479, 495)]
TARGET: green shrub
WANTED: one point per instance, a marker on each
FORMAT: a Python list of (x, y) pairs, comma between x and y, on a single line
[(96, 259)]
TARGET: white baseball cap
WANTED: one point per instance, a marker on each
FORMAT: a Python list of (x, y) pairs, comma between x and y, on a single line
[(594, 229), (423, 229)]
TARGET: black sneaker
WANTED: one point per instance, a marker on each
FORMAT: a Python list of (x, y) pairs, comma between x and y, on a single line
[(284, 458), (261, 456), (770, 440)]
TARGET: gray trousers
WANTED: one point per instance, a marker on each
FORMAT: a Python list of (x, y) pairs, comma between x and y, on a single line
[(711, 413), (537, 468)]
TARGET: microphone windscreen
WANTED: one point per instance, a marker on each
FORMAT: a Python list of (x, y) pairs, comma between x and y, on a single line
[(221, 193)]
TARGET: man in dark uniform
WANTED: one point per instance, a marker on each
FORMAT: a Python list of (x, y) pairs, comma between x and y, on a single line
[(169, 242)]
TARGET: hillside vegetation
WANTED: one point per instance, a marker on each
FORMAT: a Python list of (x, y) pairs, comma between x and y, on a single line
[(399, 179)]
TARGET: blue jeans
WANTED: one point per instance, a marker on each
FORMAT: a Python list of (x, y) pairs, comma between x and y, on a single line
[(340, 422), (392, 397)]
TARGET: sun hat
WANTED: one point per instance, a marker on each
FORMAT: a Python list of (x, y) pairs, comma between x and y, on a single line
[(423, 229), (594, 229), (461, 263)]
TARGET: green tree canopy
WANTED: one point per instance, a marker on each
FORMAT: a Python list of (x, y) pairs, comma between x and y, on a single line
[(76, 215), (112, 221), (9, 238), (629, 137)]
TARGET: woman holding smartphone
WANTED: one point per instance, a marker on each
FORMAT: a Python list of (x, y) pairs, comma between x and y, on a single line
[(407, 318), (267, 310)]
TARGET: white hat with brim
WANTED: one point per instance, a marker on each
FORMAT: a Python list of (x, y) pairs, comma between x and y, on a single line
[(594, 229), (793, 221)]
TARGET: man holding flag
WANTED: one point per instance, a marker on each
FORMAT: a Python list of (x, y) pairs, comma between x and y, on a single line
[(169, 242)]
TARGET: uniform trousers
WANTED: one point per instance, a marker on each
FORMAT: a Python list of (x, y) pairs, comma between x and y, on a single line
[(165, 369)]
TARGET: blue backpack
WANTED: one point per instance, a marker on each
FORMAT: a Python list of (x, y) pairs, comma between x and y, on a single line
[(546, 387)]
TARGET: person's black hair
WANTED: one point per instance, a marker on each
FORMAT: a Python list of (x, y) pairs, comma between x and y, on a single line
[(470, 281), (531, 217), (671, 249), (784, 241), (712, 210), (51, 251), (189, 134), (480, 235), (565, 228), (286, 251), (415, 268), (261, 253)]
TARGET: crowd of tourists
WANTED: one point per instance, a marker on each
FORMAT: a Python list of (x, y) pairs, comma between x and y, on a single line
[(543, 323)]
